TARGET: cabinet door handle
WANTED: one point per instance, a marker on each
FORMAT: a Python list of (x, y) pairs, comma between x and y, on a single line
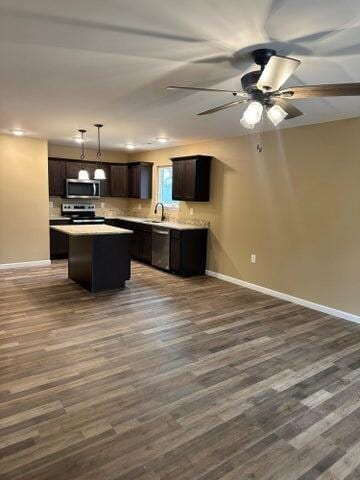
[(161, 232)]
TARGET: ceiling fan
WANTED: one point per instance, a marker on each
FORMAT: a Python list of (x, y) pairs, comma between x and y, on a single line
[(261, 89)]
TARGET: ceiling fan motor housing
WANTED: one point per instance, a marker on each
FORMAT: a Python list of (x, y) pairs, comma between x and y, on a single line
[(249, 81)]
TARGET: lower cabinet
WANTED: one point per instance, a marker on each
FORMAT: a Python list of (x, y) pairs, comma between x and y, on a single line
[(187, 247), (141, 242), (59, 242), (188, 252)]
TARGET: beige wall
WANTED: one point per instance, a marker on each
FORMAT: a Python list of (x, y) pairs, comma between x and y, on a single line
[(296, 206), (62, 151), (24, 215)]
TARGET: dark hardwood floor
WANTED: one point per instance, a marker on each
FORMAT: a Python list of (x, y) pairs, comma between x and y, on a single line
[(174, 379)]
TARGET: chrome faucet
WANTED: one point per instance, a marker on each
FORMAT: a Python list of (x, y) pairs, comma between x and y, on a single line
[(162, 210)]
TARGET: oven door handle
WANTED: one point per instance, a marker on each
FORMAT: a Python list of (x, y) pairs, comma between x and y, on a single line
[(94, 189)]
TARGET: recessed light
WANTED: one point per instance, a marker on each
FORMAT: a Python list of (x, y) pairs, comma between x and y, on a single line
[(18, 132), (163, 139), (130, 146)]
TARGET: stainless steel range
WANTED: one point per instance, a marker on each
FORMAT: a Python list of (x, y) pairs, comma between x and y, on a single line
[(81, 213)]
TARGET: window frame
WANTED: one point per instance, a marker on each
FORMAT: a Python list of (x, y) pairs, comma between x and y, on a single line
[(175, 205)]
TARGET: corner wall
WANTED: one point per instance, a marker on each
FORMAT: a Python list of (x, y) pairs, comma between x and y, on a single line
[(24, 213), (296, 206)]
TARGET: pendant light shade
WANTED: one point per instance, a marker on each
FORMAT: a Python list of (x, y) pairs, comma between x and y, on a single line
[(276, 114), (83, 173), (252, 114), (99, 172)]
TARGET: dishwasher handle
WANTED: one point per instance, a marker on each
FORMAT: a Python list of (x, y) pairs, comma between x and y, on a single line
[(161, 232)]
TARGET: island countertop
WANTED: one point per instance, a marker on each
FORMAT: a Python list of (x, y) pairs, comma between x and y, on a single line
[(77, 230)]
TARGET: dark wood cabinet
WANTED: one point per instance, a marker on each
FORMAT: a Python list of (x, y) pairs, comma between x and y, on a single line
[(141, 241), (105, 185), (59, 242), (119, 180), (140, 180), (188, 252), (130, 180), (187, 247), (72, 169), (56, 172), (191, 178)]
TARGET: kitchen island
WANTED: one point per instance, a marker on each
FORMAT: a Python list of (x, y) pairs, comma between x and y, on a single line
[(99, 255)]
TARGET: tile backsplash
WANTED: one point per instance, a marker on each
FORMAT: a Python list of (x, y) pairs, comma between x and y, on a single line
[(118, 207)]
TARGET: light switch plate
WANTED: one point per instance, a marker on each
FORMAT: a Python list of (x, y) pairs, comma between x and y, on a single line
[(253, 258), (51, 204), (139, 206), (191, 211), (102, 205)]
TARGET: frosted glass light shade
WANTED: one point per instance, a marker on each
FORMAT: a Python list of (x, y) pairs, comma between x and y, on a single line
[(252, 114), (276, 114), (83, 174), (245, 124), (99, 174)]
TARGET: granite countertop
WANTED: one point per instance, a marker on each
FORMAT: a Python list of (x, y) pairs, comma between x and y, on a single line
[(148, 221), (89, 229)]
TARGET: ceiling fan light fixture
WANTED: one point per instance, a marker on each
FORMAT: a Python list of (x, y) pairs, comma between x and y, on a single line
[(252, 114), (276, 114), (245, 124)]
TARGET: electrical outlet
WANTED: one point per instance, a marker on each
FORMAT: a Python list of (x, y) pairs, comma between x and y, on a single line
[(51, 204), (102, 205), (191, 211), (253, 258), (139, 206)]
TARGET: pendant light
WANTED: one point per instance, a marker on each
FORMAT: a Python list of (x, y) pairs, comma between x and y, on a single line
[(83, 174), (99, 172)]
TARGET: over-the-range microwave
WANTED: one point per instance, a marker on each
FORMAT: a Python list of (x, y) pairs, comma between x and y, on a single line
[(82, 188)]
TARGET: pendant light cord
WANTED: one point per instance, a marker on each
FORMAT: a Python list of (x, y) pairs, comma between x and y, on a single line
[(82, 156), (98, 155)]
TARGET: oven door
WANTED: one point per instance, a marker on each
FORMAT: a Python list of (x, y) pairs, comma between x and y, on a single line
[(82, 188)]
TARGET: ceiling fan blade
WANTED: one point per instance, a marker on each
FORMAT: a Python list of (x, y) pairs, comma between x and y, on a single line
[(276, 72), (325, 90), (201, 89), (291, 110), (222, 107)]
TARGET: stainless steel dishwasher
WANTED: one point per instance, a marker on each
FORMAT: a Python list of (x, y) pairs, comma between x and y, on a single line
[(161, 247)]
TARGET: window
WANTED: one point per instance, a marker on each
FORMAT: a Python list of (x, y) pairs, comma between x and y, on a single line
[(165, 187)]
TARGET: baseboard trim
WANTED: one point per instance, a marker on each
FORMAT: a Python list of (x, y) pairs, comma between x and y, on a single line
[(289, 298), (34, 263)]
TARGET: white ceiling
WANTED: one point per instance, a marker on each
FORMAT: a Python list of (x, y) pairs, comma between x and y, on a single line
[(71, 63)]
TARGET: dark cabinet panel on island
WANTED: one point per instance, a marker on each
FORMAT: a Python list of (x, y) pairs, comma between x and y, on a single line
[(191, 178), (59, 242), (56, 172)]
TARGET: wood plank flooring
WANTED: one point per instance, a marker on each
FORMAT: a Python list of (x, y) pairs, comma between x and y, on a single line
[(172, 378)]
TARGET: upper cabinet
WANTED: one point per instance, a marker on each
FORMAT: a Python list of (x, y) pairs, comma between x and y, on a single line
[(56, 171), (119, 180), (140, 180), (191, 178), (128, 180)]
